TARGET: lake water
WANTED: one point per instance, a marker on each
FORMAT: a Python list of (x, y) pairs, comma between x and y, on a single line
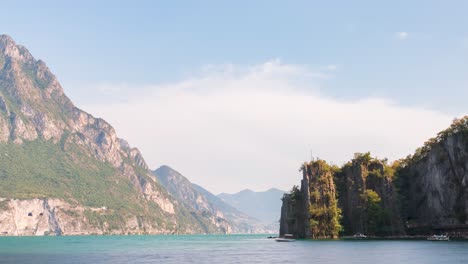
[(222, 249)]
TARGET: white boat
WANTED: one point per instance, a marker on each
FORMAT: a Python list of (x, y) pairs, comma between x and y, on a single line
[(285, 238), (359, 236), (439, 238)]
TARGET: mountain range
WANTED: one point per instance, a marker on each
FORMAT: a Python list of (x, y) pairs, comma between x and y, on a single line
[(223, 215), (66, 172), (265, 206)]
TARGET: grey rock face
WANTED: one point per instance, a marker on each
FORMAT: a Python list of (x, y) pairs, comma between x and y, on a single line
[(355, 179), (295, 215), (423, 194), (438, 191), (54, 217)]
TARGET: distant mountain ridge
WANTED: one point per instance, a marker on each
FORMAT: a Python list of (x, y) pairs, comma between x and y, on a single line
[(227, 218), (264, 206)]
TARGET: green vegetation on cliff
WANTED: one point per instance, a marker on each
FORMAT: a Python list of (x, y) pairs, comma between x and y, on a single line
[(422, 194), (375, 214), (366, 196), (323, 207), (459, 126), (41, 168), (356, 197)]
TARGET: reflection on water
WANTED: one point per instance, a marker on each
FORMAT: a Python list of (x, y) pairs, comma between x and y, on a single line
[(223, 249)]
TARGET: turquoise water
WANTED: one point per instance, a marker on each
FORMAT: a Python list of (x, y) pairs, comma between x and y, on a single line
[(222, 249)]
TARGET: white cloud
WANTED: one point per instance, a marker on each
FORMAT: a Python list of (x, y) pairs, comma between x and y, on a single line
[(402, 35), (251, 127)]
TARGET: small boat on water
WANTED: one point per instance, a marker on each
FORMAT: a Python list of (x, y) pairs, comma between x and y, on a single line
[(359, 236), (285, 238), (439, 238)]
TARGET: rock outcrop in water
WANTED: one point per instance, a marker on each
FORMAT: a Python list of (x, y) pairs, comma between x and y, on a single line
[(63, 171), (367, 197), (312, 211), (423, 194)]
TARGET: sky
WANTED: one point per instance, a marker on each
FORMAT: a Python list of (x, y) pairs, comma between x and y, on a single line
[(237, 94)]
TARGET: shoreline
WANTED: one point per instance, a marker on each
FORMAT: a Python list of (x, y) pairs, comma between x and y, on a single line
[(344, 238), (134, 235), (400, 238)]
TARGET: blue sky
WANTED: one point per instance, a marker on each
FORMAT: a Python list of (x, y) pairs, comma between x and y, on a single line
[(157, 41), (408, 54)]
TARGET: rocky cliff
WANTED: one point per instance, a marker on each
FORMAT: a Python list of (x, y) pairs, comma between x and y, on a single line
[(312, 211), (423, 194), (63, 171), (433, 184), (226, 218), (293, 218), (367, 197), (49, 216)]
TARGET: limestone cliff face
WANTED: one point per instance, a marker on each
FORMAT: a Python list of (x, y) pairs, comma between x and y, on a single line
[(357, 198), (433, 183), (39, 125), (423, 194), (312, 210), (54, 217), (293, 215), (358, 179)]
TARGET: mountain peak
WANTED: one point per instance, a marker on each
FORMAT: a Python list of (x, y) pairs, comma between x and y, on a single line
[(264, 206), (34, 106), (9, 49), (274, 190), (164, 167), (165, 170), (6, 40)]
